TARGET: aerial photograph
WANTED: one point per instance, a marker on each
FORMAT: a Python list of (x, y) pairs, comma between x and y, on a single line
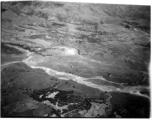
[(75, 60)]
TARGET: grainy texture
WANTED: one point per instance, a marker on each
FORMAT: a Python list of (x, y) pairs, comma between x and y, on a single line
[(63, 59)]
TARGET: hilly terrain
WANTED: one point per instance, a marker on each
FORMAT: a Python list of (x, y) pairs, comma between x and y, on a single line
[(62, 59)]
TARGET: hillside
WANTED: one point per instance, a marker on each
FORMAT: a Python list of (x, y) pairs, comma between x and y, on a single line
[(67, 59)]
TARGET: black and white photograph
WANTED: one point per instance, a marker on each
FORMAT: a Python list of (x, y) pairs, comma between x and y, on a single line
[(62, 59)]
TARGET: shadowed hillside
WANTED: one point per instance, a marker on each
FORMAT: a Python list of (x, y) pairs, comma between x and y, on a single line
[(83, 13)]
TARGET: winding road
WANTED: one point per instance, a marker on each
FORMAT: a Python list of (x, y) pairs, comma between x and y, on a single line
[(82, 80)]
